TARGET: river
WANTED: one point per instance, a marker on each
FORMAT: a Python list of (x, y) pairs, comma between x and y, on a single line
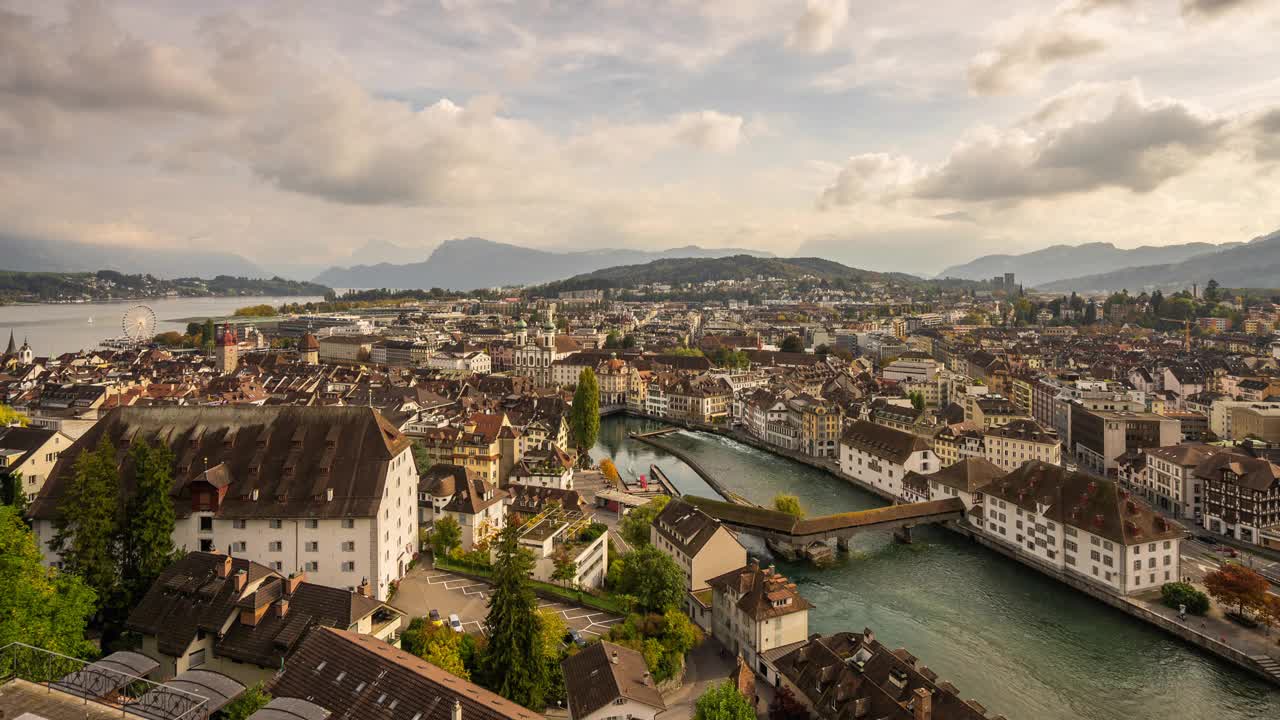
[(53, 329), (1009, 637)]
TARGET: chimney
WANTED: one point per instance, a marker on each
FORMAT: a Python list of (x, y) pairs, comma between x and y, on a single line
[(224, 567), (614, 657), (295, 579), (328, 494), (456, 714), (364, 588), (868, 636), (241, 578), (860, 707), (282, 607), (648, 679), (923, 704)]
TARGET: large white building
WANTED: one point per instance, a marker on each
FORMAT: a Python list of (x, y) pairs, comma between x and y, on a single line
[(1079, 525), (882, 456), (331, 491)]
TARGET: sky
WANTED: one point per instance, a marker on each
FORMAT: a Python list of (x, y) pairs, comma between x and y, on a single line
[(904, 135)]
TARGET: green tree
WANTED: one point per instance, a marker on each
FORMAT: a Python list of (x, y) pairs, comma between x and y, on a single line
[(9, 416), (1179, 594), (148, 534), (85, 534), (628, 341), (584, 416), (446, 534), (612, 340), (565, 567), (634, 526), (917, 399), (653, 578), (254, 699), (514, 664), (437, 644), (1211, 293), (40, 606), (792, 343), (207, 335), (789, 504), (723, 702)]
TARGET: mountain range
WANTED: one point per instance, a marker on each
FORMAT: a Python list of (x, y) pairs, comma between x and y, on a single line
[(1255, 264), (470, 263), (1062, 262), (24, 254)]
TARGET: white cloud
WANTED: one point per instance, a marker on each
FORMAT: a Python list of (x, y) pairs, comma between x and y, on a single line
[(1209, 9), (1130, 143), (1018, 63), (816, 28)]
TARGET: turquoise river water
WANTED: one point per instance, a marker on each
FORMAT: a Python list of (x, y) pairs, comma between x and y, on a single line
[(1018, 642)]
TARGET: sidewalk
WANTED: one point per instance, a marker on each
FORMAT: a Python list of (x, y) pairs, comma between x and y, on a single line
[(1255, 643)]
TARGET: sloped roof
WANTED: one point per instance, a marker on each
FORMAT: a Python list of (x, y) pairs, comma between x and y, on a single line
[(685, 526), (883, 442), (604, 672), (289, 456)]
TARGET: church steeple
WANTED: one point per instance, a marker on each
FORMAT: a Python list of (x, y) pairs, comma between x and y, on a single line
[(13, 347)]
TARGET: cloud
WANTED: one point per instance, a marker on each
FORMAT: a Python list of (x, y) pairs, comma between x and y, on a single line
[(89, 63), (816, 28), (869, 177), (705, 130), (1134, 144), (1021, 61), (1209, 9)]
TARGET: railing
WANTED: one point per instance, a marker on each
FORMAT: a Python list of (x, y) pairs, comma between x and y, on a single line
[(91, 682)]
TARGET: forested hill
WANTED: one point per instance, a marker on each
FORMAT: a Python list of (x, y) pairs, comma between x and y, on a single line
[(681, 271), (112, 285)]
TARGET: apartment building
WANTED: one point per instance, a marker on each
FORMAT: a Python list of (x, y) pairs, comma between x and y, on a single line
[(472, 501), (754, 610), (331, 491), (1014, 443), (701, 547), (1166, 478), (27, 456), (882, 456), (1241, 495), (1083, 526)]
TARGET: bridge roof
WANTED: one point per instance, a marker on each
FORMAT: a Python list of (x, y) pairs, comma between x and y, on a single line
[(777, 521)]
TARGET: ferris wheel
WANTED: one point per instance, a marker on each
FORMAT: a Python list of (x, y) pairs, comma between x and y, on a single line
[(139, 324)]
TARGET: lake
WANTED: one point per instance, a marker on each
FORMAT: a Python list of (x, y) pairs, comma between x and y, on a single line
[(53, 329)]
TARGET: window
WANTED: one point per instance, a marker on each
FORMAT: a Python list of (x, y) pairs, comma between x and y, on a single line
[(1094, 555), (206, 523), (277, 565), (275, 523), (349, 523), (275, 546), (348, 546), (238, 546), (312, 566), (349, 566), (311, 524), (313, 546), (239, 524)]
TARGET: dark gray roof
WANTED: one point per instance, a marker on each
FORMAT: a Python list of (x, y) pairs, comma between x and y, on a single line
[(217, 690), (285, 708), (883, 442), (278, 461), (685, 526), (604, 672)]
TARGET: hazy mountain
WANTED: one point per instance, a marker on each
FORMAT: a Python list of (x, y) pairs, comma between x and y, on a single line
[(701, 270), (24, 254), (376, 252), (1255, 264), (1059, 262), (470, 263)]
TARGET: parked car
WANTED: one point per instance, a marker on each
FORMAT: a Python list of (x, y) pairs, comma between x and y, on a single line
[(455, 623), (434, 616), (574, 637)]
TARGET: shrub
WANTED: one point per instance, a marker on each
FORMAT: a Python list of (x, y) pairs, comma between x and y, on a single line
[(1175, 594)]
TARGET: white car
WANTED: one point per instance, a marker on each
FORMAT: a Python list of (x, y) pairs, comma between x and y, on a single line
[(455, 623)]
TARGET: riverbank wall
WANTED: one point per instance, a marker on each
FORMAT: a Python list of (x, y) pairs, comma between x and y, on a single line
[(1130, 606)]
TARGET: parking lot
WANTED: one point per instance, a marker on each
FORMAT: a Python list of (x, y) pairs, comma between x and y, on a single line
[(425, 589)]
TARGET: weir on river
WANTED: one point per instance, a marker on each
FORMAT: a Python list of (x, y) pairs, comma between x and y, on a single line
[(1015, 640)]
